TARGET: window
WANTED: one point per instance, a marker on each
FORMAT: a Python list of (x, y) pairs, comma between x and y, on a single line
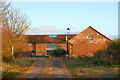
[(51, 45), (90, 37), (97, 34), (52, 36), (30, 44)]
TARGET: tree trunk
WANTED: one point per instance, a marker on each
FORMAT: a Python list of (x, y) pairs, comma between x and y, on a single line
[(13, 52)]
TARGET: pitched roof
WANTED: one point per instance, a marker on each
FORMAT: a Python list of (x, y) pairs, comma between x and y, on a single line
[(47, 39), (95, 31), (99, 33), (61, 38)]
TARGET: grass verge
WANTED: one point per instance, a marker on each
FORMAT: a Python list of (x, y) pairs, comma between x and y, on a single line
[(14, 68), (86, 68)]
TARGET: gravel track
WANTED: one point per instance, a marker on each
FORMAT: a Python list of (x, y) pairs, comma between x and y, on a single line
[(45, 68)]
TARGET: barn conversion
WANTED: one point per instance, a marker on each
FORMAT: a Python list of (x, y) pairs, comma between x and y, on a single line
[(85, 43)]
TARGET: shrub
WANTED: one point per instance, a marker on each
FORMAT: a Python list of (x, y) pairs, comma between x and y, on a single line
[(102, 57), (114, 49), (57, 52), (7, 59), (109, 56)]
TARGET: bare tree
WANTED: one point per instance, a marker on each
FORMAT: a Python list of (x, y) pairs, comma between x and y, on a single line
[(3, 12), (14, 26)]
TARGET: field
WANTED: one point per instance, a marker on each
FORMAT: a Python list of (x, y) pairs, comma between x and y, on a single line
[(86, 68), (14, 68)]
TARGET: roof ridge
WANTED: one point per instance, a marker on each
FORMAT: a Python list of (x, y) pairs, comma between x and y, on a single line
[(98, 32), (94, 30)]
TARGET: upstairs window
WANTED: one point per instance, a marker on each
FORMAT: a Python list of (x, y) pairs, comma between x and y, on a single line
[(30, 44), (90, 37), (52, 36)]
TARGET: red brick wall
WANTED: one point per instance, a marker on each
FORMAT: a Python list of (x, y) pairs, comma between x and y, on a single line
[(62, 45), (82, 46), (41, 49), (71, 50), (28, 48)]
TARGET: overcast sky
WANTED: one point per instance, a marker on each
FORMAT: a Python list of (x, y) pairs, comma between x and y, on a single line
[(55, 17)]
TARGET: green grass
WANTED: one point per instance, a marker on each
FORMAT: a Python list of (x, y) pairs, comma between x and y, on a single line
[(86, 68), (14, 68)]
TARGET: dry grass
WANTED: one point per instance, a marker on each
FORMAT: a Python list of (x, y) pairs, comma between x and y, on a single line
[(15, 68), (85, 68)]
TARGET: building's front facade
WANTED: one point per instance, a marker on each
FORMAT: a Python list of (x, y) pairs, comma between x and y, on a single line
[(43, 44), (85, 43)]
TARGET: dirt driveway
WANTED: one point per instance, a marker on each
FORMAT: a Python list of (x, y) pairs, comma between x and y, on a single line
[(45, 68)]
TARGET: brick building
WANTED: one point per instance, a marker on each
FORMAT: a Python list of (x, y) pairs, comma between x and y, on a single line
[(85, 43)]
